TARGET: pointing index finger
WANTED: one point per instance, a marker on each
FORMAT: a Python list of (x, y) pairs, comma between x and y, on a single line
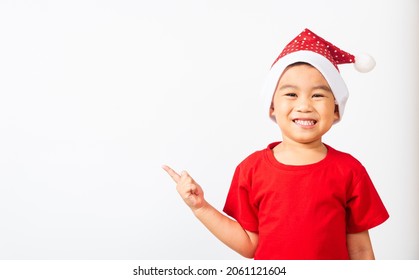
[(172, 173)]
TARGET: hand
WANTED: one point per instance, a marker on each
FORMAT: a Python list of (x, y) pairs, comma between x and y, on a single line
[(189, 190)]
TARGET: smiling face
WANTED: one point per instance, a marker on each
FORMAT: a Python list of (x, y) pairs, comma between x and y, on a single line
[(303, 105)]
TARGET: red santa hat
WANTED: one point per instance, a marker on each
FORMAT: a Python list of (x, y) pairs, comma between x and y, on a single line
[(325, 57)]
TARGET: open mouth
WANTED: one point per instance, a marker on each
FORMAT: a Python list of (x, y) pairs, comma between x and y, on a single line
[(302, 122)]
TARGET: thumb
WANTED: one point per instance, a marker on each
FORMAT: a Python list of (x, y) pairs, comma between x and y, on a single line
[(186, 178)]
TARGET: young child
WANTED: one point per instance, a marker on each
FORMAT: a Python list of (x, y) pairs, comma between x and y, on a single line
[(298, 198)]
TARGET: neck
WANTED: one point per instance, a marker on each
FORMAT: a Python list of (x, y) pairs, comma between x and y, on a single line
[(295, 153)]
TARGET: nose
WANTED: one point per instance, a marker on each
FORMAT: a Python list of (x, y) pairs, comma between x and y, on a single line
[(304, 105)]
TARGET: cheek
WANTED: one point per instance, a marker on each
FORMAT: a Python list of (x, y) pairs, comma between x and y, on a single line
[(278, 111), (281, 107), (329, 110)]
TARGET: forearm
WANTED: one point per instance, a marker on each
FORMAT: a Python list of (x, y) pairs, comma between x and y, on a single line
[(362, 255), (227, 230), (359, 246)]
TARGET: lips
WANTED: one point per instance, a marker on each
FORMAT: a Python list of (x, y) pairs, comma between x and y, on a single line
[(305, 122)]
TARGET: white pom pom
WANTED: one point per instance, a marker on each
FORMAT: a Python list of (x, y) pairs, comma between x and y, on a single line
[(364, 63)]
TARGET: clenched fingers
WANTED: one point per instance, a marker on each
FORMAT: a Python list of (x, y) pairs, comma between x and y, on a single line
[(186, 184)]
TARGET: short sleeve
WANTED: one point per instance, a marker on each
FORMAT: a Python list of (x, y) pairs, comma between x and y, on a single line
[(239, 201), (364, 208)]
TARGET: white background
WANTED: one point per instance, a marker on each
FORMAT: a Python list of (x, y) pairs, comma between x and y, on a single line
[(96, 95)]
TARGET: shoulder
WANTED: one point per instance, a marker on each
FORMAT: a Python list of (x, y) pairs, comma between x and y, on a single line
[(342, 157), (345, 162), (257, 161), (258, 156)]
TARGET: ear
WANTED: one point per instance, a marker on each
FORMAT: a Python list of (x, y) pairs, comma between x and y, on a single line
[(272, 110), (336, 113)]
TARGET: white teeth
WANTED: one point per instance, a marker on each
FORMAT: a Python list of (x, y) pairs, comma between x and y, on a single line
[(305, 122)]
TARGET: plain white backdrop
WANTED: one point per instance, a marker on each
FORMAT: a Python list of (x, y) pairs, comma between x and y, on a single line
[(96, 95)]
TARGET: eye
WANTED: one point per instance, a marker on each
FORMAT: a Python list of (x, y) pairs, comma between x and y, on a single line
[(290, 94), (318, 95)]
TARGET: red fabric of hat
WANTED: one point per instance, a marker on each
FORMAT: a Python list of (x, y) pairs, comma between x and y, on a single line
[(309, 41)]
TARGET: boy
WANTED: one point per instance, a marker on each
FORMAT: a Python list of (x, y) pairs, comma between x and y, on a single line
[(298, 198)]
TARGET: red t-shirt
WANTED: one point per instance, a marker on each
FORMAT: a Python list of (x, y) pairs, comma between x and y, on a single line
[(303, 212)]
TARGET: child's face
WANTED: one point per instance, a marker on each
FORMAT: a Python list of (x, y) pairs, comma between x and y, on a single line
[(303, 105)]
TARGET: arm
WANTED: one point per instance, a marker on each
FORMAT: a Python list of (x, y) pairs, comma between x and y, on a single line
[(359, 246), (229, 231)]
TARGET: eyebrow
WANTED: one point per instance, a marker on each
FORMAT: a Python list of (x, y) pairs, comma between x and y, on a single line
[(322, 87)]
